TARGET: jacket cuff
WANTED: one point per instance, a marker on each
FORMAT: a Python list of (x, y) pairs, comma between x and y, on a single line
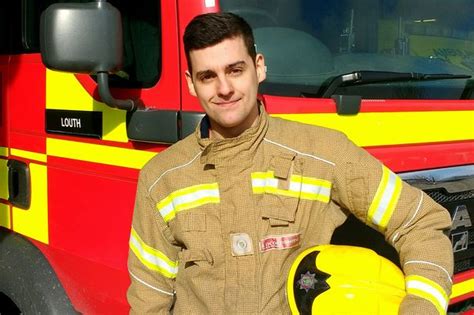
[(412, 304), (427, 290)]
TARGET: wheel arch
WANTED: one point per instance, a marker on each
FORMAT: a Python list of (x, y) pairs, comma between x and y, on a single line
[(28, 279)]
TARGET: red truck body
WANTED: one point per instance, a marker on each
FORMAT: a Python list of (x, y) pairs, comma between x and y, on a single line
[(83, 188)]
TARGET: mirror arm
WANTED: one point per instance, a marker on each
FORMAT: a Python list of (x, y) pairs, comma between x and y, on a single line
[(107, 98)]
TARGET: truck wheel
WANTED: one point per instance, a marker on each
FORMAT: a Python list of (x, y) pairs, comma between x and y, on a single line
[(27, 279)]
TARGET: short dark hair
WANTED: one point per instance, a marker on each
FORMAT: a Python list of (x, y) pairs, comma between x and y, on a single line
[(209, 29)]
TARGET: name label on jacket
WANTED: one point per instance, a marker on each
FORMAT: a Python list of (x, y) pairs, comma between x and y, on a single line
[(279, 242)]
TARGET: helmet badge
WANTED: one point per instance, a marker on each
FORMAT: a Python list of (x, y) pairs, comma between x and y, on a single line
[(307, 281)]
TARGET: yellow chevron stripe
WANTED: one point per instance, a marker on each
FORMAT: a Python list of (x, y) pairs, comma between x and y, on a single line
[(5, 215), (63, 91), (98, 153), (3, 152), (371, 129), (3, 179), (34, 221), (462, 288), (28, 155)]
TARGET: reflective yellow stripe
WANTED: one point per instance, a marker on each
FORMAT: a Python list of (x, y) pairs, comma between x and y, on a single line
[(5, 215), (28, 155), (429, 290), (385, 200), (152, 258), (462, 288), (308, 188), (34, 221), (98, 153), (3, 179), (4, 209), (188, 198), (395, 127), (3, 151)]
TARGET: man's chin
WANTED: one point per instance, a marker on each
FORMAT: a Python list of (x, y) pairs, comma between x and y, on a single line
[(229, 122)]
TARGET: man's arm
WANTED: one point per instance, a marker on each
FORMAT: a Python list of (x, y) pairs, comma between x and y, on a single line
[(411, 221), (152, 260)]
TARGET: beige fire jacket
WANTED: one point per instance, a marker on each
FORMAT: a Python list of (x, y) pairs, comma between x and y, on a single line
[(206, 210)]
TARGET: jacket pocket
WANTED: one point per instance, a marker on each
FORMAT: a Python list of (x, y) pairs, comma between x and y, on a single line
[(279, 210), (279, 189)]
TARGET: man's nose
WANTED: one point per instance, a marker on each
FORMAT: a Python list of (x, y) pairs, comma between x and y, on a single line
[(224, 86)]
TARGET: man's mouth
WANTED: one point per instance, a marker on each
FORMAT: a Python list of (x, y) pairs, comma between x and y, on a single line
[(227, 103)]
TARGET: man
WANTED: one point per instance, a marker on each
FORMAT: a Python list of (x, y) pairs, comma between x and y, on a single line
[(207, 206)]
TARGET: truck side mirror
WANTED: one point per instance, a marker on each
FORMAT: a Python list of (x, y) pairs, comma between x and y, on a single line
[(84, 38)]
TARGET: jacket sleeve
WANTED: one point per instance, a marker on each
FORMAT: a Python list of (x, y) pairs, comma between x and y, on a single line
[(410, 220), (152, 260)]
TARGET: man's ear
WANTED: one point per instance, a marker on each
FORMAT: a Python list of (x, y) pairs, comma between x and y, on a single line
[(190, 82), (260, 67)]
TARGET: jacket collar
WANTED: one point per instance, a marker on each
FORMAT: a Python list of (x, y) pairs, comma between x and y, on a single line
[(240, 148)]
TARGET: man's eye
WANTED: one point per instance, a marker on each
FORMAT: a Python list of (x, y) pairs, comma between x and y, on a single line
[(236, 71), (206, 77)]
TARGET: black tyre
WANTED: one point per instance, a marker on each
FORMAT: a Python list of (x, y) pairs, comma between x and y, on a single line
[(27, 279)]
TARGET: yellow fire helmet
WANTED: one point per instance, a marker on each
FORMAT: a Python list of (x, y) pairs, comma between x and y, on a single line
[(337, 279)]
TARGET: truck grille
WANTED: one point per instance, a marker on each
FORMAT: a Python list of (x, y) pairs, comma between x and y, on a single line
[(462, 236), (462, 265), (442, 197), (453, 188)]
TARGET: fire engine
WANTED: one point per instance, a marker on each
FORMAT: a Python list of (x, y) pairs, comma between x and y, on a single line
[(394, 75)]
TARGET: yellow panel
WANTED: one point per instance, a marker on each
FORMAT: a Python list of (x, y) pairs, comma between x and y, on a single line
[(462, 288), (372, 129), (114, 126), (5, 215), (63, 91), (98, 153), (34, 221), (28, 155), (4, 209), (3, 179), (4, 151)]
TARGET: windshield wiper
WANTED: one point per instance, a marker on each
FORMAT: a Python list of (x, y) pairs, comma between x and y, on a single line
[(369, 77)]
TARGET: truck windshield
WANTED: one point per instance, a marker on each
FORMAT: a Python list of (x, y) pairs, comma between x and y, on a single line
[(308, 43)]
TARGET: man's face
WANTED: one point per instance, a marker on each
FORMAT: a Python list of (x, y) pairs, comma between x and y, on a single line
[(225, 80)]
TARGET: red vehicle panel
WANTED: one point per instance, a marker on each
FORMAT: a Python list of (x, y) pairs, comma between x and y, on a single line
[(80, 187)]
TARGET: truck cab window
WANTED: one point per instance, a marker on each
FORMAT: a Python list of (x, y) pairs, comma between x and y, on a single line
[(10, 34), (142, 44), (307, 43)]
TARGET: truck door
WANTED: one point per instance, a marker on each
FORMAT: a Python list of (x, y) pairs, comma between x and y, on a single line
[(95, 153)]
